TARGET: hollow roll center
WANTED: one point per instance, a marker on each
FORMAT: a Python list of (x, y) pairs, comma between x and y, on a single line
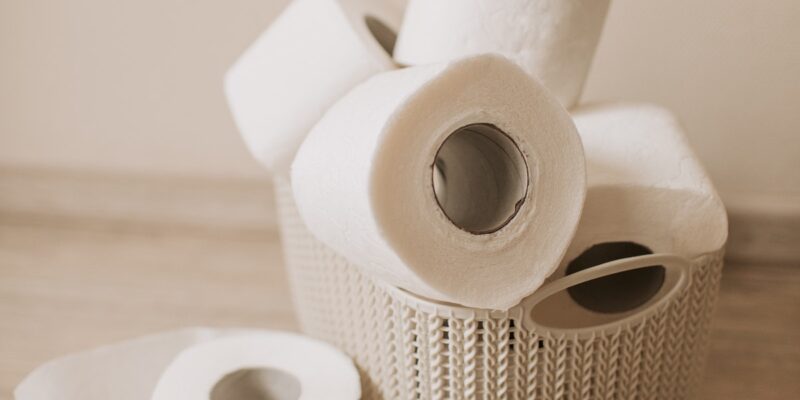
[(480, 178), (384, 35), (256, 384), (620, 292)]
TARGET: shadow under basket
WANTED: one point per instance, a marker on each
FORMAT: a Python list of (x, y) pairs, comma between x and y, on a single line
[(547, 347)]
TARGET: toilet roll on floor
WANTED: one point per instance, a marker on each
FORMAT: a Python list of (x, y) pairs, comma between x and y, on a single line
[(262, 365), (125, 371), (311, 55), (645, 185), (132, 370), (460, 182), (552, 39)]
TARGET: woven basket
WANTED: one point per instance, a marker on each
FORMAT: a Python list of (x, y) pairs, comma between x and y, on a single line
[(412, 348)]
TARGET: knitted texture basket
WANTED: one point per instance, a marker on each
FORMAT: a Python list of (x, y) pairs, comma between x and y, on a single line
[(411, 348)]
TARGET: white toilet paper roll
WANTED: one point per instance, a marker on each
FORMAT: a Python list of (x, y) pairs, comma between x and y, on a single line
[(645, 185), (311, 55), (266, 365), (123, 371), (647, 193), (552, 39), (488, 226)]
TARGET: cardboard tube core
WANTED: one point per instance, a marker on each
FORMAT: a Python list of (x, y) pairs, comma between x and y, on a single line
[(479, 178), (257, 384)]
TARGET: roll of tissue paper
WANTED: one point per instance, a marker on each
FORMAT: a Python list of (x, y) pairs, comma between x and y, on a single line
[(552, 39), (311, 55), (265, 365), (460, 182), (124, 371), (645, 186)]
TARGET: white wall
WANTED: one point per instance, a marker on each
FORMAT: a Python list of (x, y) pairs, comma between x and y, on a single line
[(135, 86), (729, 68), (124, 85)]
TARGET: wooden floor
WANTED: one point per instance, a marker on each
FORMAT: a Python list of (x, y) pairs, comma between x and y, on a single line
[(68, 285)]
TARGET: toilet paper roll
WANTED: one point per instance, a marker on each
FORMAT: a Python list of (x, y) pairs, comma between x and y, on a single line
[(460, 182), (260, 366), (124, 371), (552, 39), (647, 191), (311, 55)]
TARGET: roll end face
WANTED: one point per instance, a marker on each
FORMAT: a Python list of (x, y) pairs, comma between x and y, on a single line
[(484, 90), (276, 91)]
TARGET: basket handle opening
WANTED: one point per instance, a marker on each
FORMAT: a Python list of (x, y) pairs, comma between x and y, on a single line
[(551, 308)]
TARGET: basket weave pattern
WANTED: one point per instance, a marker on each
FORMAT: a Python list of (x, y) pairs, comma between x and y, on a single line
[(408, 351)]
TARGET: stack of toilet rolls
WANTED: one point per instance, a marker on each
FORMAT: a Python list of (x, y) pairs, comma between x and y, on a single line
[(448, 163), (442, 153)]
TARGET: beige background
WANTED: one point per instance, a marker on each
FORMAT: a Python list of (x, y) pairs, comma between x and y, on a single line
[(729, 69), (135, 86)]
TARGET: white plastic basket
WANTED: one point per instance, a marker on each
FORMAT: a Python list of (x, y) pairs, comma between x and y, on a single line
[(409, 347)]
